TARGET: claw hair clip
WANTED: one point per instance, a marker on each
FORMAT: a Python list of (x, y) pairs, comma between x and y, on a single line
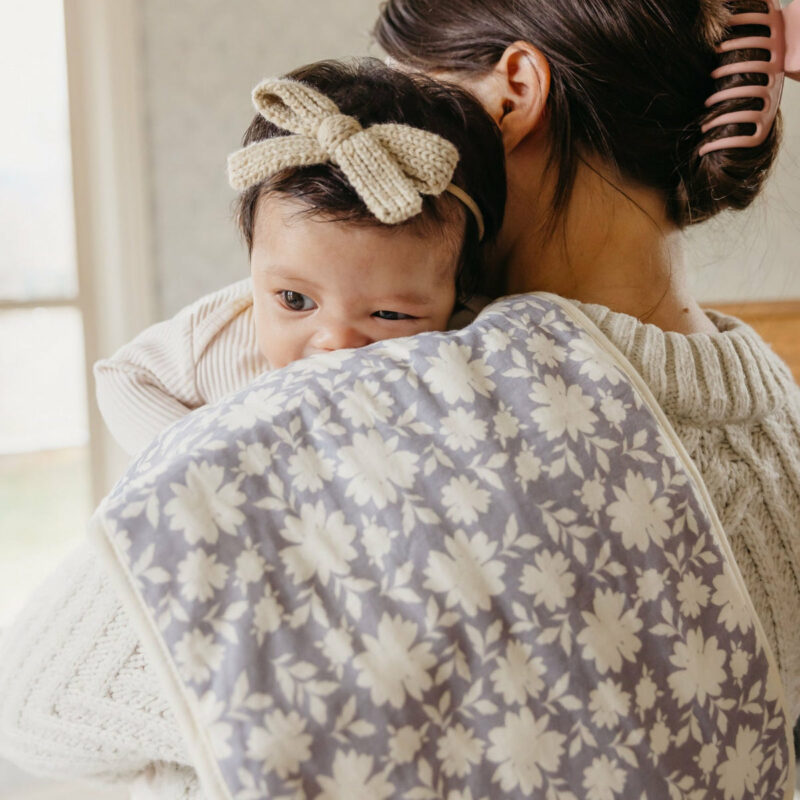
[(783, 45)]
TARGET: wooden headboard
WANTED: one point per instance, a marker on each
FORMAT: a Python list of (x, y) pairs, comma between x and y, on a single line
[(777, 322)]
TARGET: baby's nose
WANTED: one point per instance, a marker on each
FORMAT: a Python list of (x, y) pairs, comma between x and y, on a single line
[(340, 336)]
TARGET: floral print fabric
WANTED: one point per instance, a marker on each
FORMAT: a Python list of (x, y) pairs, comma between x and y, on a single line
[(460, 566)]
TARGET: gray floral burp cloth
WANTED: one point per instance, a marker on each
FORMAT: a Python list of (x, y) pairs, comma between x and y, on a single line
[(463, 565)]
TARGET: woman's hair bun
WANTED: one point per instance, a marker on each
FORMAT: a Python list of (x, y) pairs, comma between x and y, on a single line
[(729, 178), (628, 83)]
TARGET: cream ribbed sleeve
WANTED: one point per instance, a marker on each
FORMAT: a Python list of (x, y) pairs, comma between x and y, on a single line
[(77, 699), (207, 350)]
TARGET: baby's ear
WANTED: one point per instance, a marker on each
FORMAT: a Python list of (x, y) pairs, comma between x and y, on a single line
[(515, 92)]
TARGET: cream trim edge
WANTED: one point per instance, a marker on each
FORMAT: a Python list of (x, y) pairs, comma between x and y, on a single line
[(647, 396)]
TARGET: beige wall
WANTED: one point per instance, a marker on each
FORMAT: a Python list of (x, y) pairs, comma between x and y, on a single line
[(202, 57), (755, 254)]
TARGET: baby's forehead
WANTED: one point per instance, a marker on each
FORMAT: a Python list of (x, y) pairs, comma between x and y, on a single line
[(291, 235)]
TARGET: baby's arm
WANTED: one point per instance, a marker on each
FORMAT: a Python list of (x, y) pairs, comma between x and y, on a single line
[(164, 373), (149, 383)]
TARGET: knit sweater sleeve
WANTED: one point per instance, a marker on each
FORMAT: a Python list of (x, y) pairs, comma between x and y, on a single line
[(79, 700), (205, 351)]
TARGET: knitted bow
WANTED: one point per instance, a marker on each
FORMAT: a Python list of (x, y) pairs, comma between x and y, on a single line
[(390, 166)]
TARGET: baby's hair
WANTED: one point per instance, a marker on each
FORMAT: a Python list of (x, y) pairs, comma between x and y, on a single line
[(374, 94)]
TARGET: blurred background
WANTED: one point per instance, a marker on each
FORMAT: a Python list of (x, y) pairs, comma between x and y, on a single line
[(117, 118)]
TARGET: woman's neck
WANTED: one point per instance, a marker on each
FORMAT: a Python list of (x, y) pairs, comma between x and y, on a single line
[(614, 246)]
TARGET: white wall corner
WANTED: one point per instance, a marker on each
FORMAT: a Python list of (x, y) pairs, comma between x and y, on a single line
[(113, 206)]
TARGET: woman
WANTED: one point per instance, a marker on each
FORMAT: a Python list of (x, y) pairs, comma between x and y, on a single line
[(601, 112), (603, 172)]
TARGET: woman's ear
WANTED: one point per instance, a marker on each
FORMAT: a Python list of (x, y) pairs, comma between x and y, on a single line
[(515, 92)]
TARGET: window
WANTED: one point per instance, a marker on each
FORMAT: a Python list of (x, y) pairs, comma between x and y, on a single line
[(45, 470)]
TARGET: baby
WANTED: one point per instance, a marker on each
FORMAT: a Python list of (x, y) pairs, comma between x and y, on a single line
[(365, 197)]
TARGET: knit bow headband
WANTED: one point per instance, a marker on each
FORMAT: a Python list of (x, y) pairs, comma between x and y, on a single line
[(390, 166)]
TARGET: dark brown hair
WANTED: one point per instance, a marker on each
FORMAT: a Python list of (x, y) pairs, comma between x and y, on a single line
[(373, 93), (629, 79)]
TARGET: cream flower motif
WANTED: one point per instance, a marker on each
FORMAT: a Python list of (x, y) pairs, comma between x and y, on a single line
[(376, 469), (210, 710), (392, 665), (464, 500), (405, 743), (708, 758), (200, 575), (700, 670), (518, 675), (322, 544), (523, 748), (603, 779), (734, 611), (257, 405), (351, 780), (250, 566), (527, 465), (396, 350), (562, 410), (740, 662), (608, 702), (506, 425), (459, 751), (463, 430), (545, 351), (321, 363), (613, 409), (496, 340), (739, 773), (309, 469), (646, 693), (549, 580), (198, 656), (610, 634), (282, 744), (466, 572), (254, 459), (638, 514), (377, 541), (203, 506), (595, 363), (692, 595), (660, 737), (456, 375), (593, 495), (267, 614), (365, 404), (650, 584), (337, 646)]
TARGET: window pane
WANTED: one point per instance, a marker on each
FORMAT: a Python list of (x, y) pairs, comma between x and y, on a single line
[(45, 494), (44, 505), (37, 249), (43, 387)]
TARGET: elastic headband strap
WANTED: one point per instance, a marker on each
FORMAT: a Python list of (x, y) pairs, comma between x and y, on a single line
[(458, 192)]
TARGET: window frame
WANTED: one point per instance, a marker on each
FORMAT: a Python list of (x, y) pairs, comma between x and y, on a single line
[(111, 194)]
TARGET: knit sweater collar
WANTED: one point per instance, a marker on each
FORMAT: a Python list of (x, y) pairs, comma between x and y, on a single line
[(720, 378)]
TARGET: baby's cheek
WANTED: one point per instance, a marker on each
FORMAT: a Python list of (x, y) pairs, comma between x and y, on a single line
[(267, 337)]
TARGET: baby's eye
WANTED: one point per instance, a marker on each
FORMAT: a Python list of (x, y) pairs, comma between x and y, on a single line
[(392, 315), (296, 301)]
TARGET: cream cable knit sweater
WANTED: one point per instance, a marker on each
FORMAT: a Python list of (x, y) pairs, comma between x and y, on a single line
[(78, 699)]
